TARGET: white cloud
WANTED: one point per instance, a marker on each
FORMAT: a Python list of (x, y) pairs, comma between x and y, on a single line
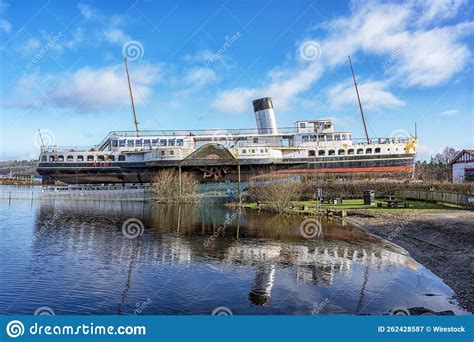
[(5, 26), (116, 36), (451, 112), (437, 10), (416, 54), (86, 90), (201, 56), (283, 89), (30, 46), (200, 76), (374, 95), (235, 100)]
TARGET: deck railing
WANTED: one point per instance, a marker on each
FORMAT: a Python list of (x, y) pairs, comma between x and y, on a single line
[(357, 141)]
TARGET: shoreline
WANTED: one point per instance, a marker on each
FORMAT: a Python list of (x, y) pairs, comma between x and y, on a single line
[(441, 241)]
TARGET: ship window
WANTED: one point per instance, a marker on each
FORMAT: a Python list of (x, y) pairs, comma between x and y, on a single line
[(100, 158), (114, 143), (313, 138), (122, 143), (80, 158), (321, 137), (350, 152), (51, 158), (343, 137), (321, 153), (130, 143), (312, 153), (329, 137), (360, 151), (121, 157), (349, 137), (179, 142), (305, 138), (302, 125), (90, 158), (368, 151), (154, 142), (163, 142), (341, 152), (171, 142), (171, 153), (44, 158), (111, 157), (261, 151), (70, 158), (139, 143), (61, 158), (146, 142), (162, 153), (337, 137), (332, 152), (244, 151), (253, 151), (377, 150)]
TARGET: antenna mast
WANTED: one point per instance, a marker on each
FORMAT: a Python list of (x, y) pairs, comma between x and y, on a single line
[(131, 96), (360, 104), (41, 138)]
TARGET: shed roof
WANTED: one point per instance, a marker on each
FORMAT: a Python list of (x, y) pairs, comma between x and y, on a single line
[(470, 152)]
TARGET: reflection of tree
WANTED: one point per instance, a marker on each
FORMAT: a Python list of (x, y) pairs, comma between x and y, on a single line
[(133, 258), (362, 290)]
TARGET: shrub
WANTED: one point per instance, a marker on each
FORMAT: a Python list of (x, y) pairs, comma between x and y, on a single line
[(166, 187), (275, 192)]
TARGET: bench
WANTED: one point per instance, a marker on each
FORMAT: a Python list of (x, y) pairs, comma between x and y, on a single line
[(393, 204), (336, 200)]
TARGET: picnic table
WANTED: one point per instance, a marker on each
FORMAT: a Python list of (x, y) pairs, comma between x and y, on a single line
[(335, 200), (393, 203)]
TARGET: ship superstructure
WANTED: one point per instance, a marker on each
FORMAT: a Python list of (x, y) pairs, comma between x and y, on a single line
[(308, 146)]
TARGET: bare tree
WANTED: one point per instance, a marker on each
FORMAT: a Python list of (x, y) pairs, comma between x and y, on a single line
[(276, 193), (166, 187)]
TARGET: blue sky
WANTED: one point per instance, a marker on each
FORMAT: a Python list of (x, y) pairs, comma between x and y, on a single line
[(198, 64)]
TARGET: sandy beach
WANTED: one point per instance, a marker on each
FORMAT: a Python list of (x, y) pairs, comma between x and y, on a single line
[(441, 240)]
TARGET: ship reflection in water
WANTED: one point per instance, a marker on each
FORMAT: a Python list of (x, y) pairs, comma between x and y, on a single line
[(74, 258)]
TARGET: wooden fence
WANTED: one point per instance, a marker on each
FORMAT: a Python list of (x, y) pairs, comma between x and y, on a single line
[(437, 196)]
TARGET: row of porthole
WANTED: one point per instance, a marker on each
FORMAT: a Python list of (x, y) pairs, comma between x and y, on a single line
[(89, 158), (342, 152)]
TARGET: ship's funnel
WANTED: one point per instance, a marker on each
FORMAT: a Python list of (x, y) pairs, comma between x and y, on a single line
[(265, 116)]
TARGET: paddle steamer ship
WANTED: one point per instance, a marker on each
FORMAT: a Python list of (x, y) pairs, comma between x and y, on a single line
[(309, 147)]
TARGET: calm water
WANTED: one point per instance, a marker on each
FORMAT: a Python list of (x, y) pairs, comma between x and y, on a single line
[(74, 258)]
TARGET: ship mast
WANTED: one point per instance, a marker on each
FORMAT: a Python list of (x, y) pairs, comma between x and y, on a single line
[(41, 138), (360, 104), (131, 96)]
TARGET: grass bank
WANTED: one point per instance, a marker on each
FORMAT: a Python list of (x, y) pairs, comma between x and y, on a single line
[(354, 206)]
